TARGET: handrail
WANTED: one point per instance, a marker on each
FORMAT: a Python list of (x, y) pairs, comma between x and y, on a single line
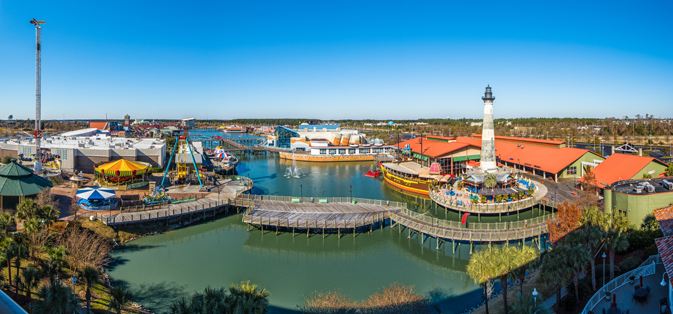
[(645, 269), (484, 208), (313, 199), (530, 223)]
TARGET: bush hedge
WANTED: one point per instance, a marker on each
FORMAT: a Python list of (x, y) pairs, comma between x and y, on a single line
[(630, 263)]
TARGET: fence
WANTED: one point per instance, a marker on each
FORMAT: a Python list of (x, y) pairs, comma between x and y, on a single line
[(484, 208), (646, 268), (176, 211), (306, 199), (534, 222)]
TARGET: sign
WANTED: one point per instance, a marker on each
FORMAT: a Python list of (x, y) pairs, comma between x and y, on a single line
[(652, 171)]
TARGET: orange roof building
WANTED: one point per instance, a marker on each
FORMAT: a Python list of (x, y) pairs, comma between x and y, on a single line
[(546, 158), (620, 167)]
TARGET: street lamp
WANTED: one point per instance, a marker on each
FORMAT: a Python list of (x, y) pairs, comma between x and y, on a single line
[(350, 186), (663, 283), (535, 296), (74, 281), (603, 269), (301, 191)]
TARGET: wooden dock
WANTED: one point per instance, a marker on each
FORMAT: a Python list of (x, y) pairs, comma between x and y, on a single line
[(316, 215)]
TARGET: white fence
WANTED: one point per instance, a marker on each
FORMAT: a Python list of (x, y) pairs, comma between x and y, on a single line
[(646, 268)]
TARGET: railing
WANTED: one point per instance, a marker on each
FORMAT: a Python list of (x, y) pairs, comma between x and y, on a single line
[(645, 269), (306, 199), (484, 208), (163, 214), (530, 223)]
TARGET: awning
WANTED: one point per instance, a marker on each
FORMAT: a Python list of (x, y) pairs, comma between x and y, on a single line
[(95, 193)]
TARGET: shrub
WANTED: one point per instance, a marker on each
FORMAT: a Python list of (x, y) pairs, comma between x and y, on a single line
[(6, 159), (651, 250), (569, 303), (630, 263)]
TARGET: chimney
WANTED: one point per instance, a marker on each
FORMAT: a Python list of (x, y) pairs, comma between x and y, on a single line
[(640, 151)]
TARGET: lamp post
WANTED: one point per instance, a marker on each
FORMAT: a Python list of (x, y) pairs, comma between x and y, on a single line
[(301, 191), (603, 269), (535, 296), (74, 282), (663, 283), (350, 186)]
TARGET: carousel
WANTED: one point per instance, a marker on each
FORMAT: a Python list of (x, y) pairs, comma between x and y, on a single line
[(123, 173)]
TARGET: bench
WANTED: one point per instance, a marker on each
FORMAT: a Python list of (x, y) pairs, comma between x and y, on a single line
[(296, 200), (321, 201)]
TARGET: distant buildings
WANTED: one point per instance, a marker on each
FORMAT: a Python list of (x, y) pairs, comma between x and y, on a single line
[(315, 135)]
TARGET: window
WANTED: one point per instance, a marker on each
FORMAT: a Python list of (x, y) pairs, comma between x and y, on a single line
[(364, 151), (323, 151), (342, 151), (572, 170), (351, 151), (332, 151)]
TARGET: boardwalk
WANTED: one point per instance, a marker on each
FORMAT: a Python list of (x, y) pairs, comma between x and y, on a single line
[(316, 215), (205, 207), (338, 213)]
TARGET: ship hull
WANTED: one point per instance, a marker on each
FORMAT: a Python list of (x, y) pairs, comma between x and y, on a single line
[(419, 186)]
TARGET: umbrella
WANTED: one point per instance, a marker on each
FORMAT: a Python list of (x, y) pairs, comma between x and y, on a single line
[(95, 193)]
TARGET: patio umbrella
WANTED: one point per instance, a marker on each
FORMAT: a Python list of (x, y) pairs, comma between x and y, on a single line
[(95, 193)]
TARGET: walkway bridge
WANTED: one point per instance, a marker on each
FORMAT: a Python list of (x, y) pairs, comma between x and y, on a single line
[(241, 144), (334, 214)]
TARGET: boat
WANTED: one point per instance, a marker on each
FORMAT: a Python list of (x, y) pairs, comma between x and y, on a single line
[(409, 176), (223, 161), (372, 174)]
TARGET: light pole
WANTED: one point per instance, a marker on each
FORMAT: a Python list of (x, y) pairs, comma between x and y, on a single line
[(663, 283), (350, 186), (535, 296), (74, 281), (603, 269), (301, 191)]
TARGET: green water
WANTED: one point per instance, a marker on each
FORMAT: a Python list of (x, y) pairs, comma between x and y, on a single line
[(165, 267)]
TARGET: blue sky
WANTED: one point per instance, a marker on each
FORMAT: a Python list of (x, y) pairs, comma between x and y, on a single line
[(337, 59)]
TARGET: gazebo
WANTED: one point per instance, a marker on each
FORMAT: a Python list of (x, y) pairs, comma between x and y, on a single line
[(122, 172), (18, 182)]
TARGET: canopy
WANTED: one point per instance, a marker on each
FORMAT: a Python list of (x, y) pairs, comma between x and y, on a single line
[(123, 167), (95, 193)]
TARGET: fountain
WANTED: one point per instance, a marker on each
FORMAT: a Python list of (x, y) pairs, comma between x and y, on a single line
[(293, 171)]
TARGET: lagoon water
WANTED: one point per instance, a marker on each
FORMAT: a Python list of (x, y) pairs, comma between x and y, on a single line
[(165, 267)]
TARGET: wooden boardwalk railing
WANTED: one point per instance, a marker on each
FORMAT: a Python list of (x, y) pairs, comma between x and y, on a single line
[(483, 208)]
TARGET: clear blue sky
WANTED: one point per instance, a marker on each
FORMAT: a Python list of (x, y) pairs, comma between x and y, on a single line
[(337, 59)]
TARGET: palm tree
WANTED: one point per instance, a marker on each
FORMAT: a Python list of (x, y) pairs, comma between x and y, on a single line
[(119, 298), (90, 277), (490, 181), (54, 298), (181, 306), (245, 298), (8, 250), (505, 261), (57, 257), (593, 238), (31, 278), (28, 209), (615, 240), (6, 221), (527, 258), (577, 255), (482, 270), (528, 306), (213, 300), (50, 215), (554, 271)]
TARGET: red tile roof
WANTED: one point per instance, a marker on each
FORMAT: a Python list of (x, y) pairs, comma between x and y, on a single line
[(435, 148), (98, 125), (665, 218), (665, 248), (619, 167), (549, 159), (523, 140)]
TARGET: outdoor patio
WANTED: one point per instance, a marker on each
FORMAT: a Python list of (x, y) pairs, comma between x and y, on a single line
[(626, 301)]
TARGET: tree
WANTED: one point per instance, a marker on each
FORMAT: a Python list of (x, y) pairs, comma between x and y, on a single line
[(119, 298), (669, 170), (593, 238), (89, 277), (567, 219), (396, 298), (20, 252), (615, 240), (577, 256), (49, 215), (490, 181), (56, 259), (8, 250), (6, 221), (245, 298), (31, 279), (527, 258), (28, 209), (482, 271), (528, 306), (554, 271), (85, 248), (332, 302), (54, 298)]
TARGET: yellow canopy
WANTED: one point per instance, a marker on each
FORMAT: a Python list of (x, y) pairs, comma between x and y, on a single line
[(123, 167)]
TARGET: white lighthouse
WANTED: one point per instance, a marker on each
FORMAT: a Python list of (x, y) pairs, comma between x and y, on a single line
[(488, 163)]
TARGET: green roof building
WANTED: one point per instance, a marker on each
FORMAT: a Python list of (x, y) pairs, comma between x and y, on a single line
[(17, 183)]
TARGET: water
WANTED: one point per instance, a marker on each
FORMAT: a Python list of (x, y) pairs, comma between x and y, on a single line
[(165, 267)]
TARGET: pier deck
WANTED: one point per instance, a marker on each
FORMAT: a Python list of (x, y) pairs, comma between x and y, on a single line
[(315, 214)]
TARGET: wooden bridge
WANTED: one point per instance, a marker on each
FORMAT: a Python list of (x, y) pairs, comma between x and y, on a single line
[(337, 213)]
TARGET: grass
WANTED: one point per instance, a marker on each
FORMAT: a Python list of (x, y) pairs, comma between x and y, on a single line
[(122, 235)]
